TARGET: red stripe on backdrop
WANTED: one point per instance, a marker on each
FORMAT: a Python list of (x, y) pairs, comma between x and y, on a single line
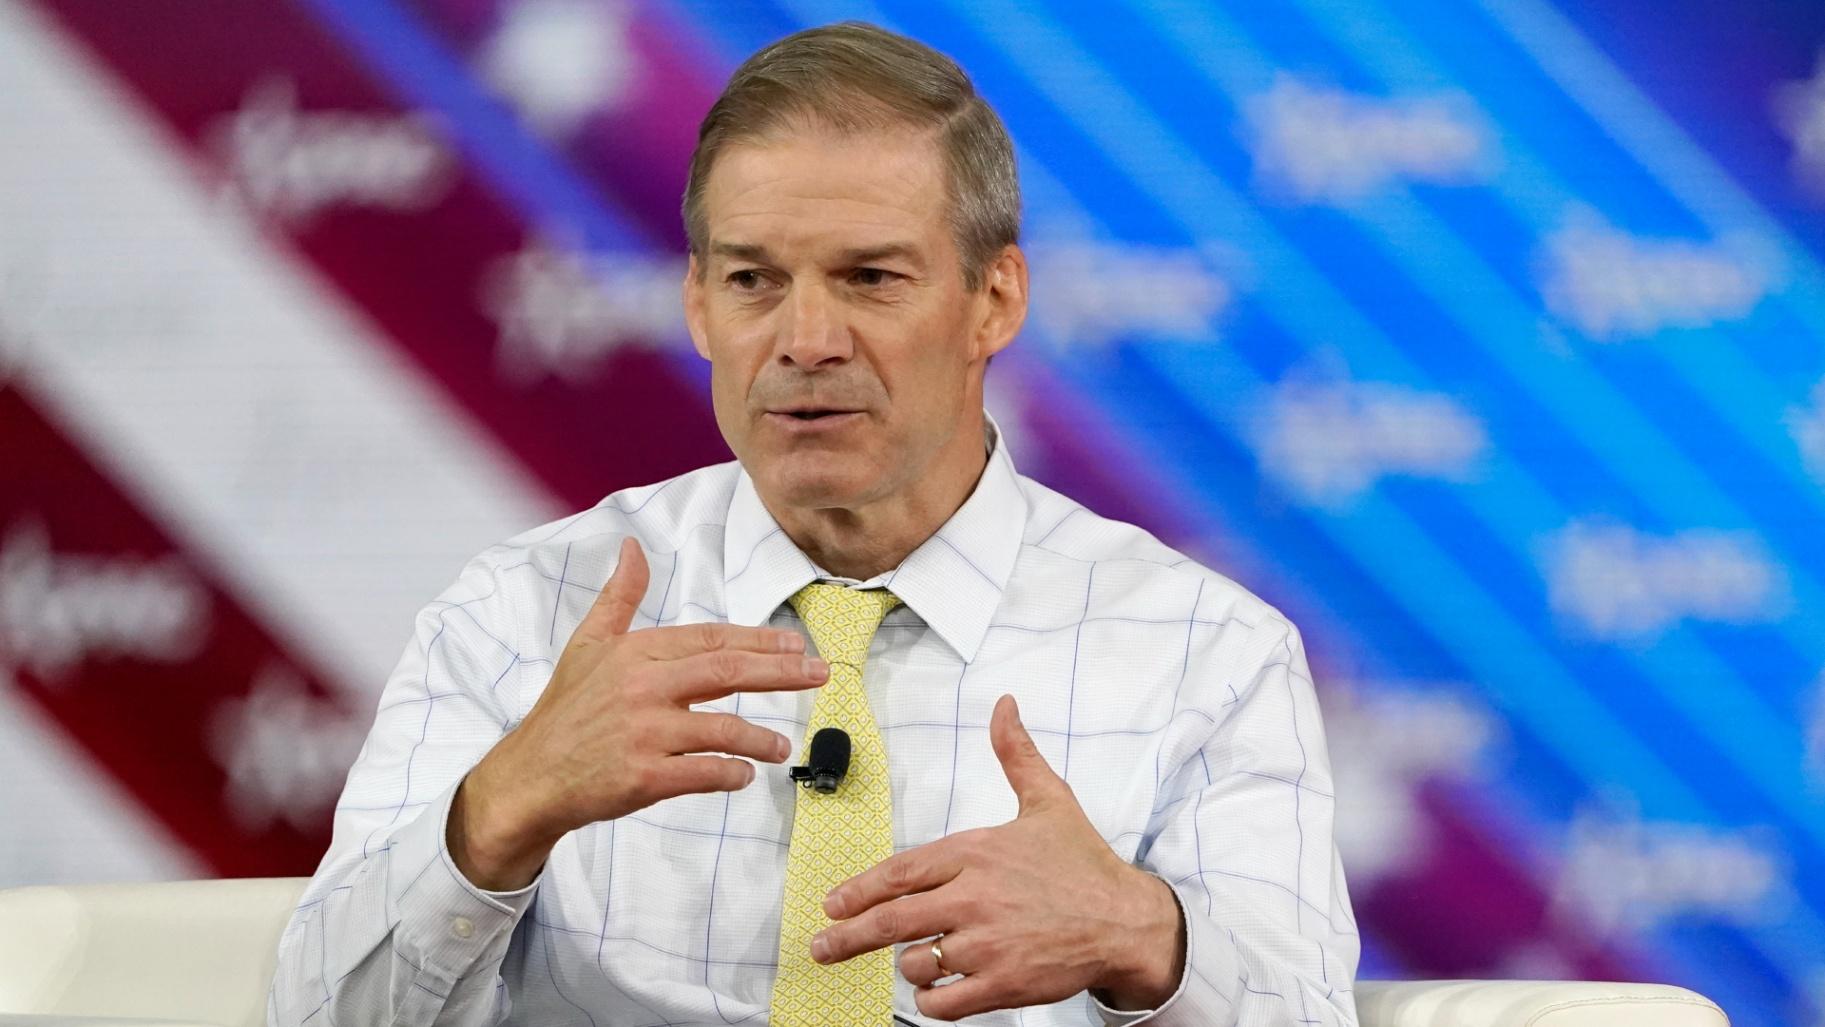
[(230, 739), (292, 124)]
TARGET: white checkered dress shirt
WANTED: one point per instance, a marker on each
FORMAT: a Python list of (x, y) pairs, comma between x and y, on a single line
[(1176, 705)]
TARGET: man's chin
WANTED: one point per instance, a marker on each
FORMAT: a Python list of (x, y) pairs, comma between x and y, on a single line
[(819, 487)]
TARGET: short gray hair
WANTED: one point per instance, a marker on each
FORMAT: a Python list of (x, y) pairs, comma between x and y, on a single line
[(853, 76)]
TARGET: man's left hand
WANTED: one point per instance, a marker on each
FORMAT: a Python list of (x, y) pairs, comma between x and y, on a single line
[(1029, 912)]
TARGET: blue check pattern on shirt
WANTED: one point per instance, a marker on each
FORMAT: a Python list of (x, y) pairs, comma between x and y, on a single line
[(1177, 705)]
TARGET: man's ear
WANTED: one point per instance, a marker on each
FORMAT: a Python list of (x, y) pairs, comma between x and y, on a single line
[(1004, 287), (695, 314)]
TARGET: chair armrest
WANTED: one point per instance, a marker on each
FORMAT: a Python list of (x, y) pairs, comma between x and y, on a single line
[(1532, 1004), (186, 953)]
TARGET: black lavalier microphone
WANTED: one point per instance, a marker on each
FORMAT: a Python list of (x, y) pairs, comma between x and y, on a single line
[(827, 762)]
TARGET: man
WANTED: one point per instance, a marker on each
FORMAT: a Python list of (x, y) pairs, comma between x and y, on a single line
[(1087, 780)]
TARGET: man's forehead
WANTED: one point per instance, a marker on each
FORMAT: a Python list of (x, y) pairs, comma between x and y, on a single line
[(844, 188), (891, 151)]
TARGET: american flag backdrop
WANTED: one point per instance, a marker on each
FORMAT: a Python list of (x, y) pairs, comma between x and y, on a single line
[(1486, 338)]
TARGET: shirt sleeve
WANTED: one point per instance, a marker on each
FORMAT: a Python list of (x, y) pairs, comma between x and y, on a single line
[(1245, 839), (388, 930)]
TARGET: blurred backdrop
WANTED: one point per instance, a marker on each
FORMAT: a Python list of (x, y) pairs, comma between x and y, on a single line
[(1484, 337)]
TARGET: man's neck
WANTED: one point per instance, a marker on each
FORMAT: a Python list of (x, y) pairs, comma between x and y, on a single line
[(863, 542)]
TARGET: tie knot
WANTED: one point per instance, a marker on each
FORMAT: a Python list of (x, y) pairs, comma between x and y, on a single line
[(842, 620)]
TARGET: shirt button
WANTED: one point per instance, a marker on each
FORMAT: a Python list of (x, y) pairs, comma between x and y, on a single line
[(462, 927)]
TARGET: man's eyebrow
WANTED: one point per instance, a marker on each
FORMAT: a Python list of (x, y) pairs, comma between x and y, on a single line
[(888, 251), (851, 257), (741, 251)]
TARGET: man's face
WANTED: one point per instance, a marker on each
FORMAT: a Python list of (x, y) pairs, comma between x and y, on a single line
[(844, 349)]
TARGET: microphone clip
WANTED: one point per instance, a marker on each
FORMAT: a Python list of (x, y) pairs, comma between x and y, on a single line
[(827, 763)]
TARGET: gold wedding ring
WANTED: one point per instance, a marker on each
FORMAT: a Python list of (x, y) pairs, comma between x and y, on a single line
[(938, 956)]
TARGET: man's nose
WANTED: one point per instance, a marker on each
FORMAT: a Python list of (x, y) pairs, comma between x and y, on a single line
[(813, 330)]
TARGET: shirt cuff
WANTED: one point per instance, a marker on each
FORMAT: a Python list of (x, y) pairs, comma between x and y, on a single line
[(445, 925), (1209, 955)]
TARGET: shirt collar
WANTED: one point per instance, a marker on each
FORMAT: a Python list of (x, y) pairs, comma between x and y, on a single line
[(953, 580)]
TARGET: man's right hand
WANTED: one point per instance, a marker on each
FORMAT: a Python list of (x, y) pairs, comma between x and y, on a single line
[(614, 732)]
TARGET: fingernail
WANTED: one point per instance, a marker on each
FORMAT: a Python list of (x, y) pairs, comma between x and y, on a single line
[(815, 668), (782, 747), (833, 906), (820, 948)]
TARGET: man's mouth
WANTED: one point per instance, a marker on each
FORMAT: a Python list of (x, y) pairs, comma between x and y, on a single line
[(805, 422)]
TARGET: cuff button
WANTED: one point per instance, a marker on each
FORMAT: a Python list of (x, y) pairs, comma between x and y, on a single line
[(462, 927)]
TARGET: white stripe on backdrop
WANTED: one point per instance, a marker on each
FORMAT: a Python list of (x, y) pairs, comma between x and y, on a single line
[(333, 489)]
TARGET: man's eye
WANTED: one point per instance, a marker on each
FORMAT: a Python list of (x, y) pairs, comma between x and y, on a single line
[(746, 281), (871, 276)]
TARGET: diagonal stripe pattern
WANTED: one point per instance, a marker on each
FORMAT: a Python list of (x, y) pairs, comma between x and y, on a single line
[(839, 835)]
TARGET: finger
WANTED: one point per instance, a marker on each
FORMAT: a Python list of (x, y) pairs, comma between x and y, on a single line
[(693, 775), (701, 731), (889, 923), (613, 611), (1031, 777), (920, 966), (708, 676), (915, 870), (684, 640), (977, 993)]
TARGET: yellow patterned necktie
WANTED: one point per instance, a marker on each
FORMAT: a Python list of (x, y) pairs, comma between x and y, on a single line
[(837, 835)]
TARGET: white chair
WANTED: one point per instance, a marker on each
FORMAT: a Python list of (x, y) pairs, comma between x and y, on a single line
[(200, 954)]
